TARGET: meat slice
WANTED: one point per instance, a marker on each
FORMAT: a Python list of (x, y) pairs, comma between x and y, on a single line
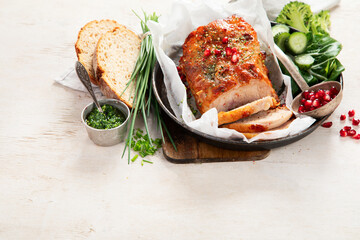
[(284, 126), (224, 66), (262, 121), (247, 110)]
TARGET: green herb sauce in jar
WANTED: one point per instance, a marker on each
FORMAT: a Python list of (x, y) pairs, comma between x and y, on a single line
[(111, 118)]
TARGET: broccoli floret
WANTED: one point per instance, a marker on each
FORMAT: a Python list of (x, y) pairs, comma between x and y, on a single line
[(320, 23), (296, 14)]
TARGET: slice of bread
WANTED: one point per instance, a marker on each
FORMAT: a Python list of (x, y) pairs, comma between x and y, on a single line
[(114, 61), (88, 37)]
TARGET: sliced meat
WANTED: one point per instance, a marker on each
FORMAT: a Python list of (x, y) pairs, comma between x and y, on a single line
[(247, 110), (261, 121), (284, 126), (223, 65)]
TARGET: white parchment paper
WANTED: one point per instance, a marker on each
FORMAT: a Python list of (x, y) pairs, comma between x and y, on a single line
[(169, 35)]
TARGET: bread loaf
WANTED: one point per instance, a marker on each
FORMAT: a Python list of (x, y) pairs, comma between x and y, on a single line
[(86, 42)]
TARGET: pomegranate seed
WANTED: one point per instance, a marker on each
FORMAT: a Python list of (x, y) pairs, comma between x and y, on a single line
[(217, 52), (357, 137), (333, 91), (315, 99), (355, 122), (316, 103), (321, 93), (327, 98), (343, 133), (351, 113), (178, 68), (207, 52), (347, 128), (301, 109), (311, 94), (235, 58), (342, 117), (228, 51), (225, 40), (234, 50), (308, 104), (351, 133), (305, 94), (327, 124)]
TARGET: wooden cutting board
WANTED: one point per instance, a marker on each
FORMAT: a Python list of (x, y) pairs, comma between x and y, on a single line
[(192, 150)]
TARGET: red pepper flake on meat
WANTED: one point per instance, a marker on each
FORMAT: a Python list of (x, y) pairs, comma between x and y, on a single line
[(228, 51), (235, 58), (225, 40), (207, 52)]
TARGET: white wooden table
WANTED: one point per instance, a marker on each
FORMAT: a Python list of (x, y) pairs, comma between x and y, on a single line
[(56, 184)]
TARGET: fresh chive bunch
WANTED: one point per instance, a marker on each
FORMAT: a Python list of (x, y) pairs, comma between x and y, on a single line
[(144, 99)]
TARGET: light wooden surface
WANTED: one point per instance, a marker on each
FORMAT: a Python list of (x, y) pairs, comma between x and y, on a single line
[(55, 184)]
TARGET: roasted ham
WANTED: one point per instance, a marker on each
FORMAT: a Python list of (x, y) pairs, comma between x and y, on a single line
[(224, 67)]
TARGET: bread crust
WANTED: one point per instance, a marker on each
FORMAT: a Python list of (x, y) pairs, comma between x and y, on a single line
[(110, 93)]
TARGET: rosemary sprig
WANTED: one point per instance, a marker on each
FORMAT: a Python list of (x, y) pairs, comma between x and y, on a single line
[(143, 98)]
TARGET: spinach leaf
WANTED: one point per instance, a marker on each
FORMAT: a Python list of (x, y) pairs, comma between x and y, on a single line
[(322, 48), (328, 70), (326, 67)]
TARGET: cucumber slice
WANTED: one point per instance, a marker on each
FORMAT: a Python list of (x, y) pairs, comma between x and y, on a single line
[(296, 43), (304, 61), (280, 40), (279, 28)]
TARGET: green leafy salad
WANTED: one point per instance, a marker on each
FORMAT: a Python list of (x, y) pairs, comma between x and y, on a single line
[(311, 49)]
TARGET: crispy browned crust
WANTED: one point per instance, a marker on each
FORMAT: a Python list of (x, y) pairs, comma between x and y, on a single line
[(110, 93), (78, 50)]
